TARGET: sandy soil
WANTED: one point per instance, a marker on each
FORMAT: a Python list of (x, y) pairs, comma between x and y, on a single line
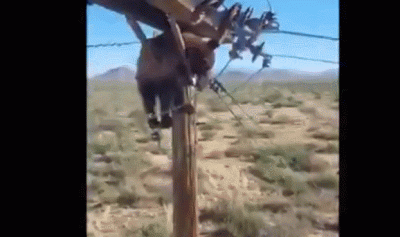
[(127, 204)]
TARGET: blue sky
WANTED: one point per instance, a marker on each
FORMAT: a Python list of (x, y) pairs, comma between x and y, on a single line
[(319, 17)]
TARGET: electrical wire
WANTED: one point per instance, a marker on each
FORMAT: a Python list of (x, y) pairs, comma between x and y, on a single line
[(304, 58), (301, 34), (111, 44)]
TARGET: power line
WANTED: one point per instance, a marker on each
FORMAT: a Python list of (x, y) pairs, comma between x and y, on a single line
[(302, 34), (244, 83), (217, 85), (111, 44), (304, 58), (271, 32), (274, 55)]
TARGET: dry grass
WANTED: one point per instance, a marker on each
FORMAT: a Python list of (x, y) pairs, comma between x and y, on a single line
[(295, 171)]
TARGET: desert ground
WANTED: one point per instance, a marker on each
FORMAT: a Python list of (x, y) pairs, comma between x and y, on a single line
[(274, 174)]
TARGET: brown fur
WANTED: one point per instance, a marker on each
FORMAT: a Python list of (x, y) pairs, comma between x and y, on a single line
[(159, 68)]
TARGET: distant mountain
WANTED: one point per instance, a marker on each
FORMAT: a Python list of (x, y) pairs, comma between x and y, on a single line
[(282, 75), (122, 74)]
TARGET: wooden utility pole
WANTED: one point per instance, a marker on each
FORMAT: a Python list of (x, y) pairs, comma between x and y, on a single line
[(184, 141)]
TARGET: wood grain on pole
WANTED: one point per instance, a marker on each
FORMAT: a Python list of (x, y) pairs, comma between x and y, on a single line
[(184, 170)]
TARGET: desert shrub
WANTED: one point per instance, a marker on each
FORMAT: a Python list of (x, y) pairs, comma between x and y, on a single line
[(325, 180), (208, 135), (99, 148), (235, 220), (155, 149), (317, 95), (236, 120), (257, 101), (247, 132), (296, 156), (143, 139), (243, 97), (266, 134), (127, 199), (277, 171), (336, 98), (307, 109), (264, 120), (281, 119), (241, 222), (210, 126), (331, 147), (201, 112), (139, 119), (326, 135), (334, 105), (286, 102), (154, 230), (215, 105), (89, 152), (214, 155), (271, 95), (134, 162), (234, 151), (242, 147), (288, 167), (269, 113)]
